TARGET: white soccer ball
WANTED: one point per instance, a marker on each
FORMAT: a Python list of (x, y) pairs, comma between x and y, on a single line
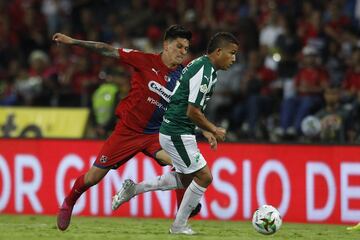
[(266, 220), (310, 126)]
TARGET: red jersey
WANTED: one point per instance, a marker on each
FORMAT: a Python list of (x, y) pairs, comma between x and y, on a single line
[(310, 76), (152, 84), (267, 76)]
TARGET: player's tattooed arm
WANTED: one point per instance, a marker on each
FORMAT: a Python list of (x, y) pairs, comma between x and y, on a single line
[(98, 47)]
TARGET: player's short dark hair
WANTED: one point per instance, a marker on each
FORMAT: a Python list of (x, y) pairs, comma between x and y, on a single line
[(177, 31), (221, 39)]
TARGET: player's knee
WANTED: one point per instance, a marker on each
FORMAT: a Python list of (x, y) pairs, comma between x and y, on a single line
[(92, 179), (205, 180), (204, 177), (208, 179), (94, 175)]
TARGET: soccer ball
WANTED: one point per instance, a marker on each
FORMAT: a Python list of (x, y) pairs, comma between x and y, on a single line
[(266, 220), (311, 126)]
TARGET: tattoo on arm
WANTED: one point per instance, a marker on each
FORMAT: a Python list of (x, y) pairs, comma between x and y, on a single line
[(99, 47)]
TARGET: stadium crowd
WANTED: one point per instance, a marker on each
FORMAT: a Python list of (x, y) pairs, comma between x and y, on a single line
[(297, 59)]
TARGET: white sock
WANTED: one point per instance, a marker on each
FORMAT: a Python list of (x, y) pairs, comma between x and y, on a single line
[(168, 181), (190, 200)]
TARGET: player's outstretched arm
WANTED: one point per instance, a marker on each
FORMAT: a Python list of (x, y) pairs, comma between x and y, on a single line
[(98, 47)]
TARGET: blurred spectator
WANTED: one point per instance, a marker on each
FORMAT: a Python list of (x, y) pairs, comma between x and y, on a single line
[(8, 96), (272, 29), (349, 41), (8, 93), (105, 99), (335, 20), (36, 86), (151, 42), (81, 80), (351, 82), (335, 119), (258, 100), (55, 11), (310, 28), (287, 44), (33, 29), (334, 63), (309, 84), (137, 17), (351, 95)]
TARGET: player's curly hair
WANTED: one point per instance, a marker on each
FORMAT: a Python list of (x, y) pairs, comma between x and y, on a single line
[(221, 39), (177, 31)]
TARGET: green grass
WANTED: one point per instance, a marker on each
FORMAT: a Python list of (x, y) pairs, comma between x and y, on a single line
[(31, 227)]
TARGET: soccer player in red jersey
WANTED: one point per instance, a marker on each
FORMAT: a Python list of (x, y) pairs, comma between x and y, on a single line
[(139, 115)]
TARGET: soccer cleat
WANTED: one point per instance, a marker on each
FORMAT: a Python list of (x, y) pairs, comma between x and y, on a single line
[(186, 230), (64, 216), (356, 227), (195, 211), (126, 192)]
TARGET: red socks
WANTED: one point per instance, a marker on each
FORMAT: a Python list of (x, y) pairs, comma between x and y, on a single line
[(76, 191)]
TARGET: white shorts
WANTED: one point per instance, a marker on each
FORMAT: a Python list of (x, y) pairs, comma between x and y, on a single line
[(184, 152)]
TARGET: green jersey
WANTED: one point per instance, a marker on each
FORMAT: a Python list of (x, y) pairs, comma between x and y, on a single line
[(195, 87)]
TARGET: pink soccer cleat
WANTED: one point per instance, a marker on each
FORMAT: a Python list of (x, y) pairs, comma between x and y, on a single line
[(64, 216)]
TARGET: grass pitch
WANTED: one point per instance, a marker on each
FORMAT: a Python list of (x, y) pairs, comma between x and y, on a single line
[(32, 227)]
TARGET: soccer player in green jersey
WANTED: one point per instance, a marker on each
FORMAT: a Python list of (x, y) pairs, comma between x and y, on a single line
[(177, 132)]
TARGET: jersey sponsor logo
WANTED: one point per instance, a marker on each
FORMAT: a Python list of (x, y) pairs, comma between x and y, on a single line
[(160, 90), (156, 103), (203, 88)]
